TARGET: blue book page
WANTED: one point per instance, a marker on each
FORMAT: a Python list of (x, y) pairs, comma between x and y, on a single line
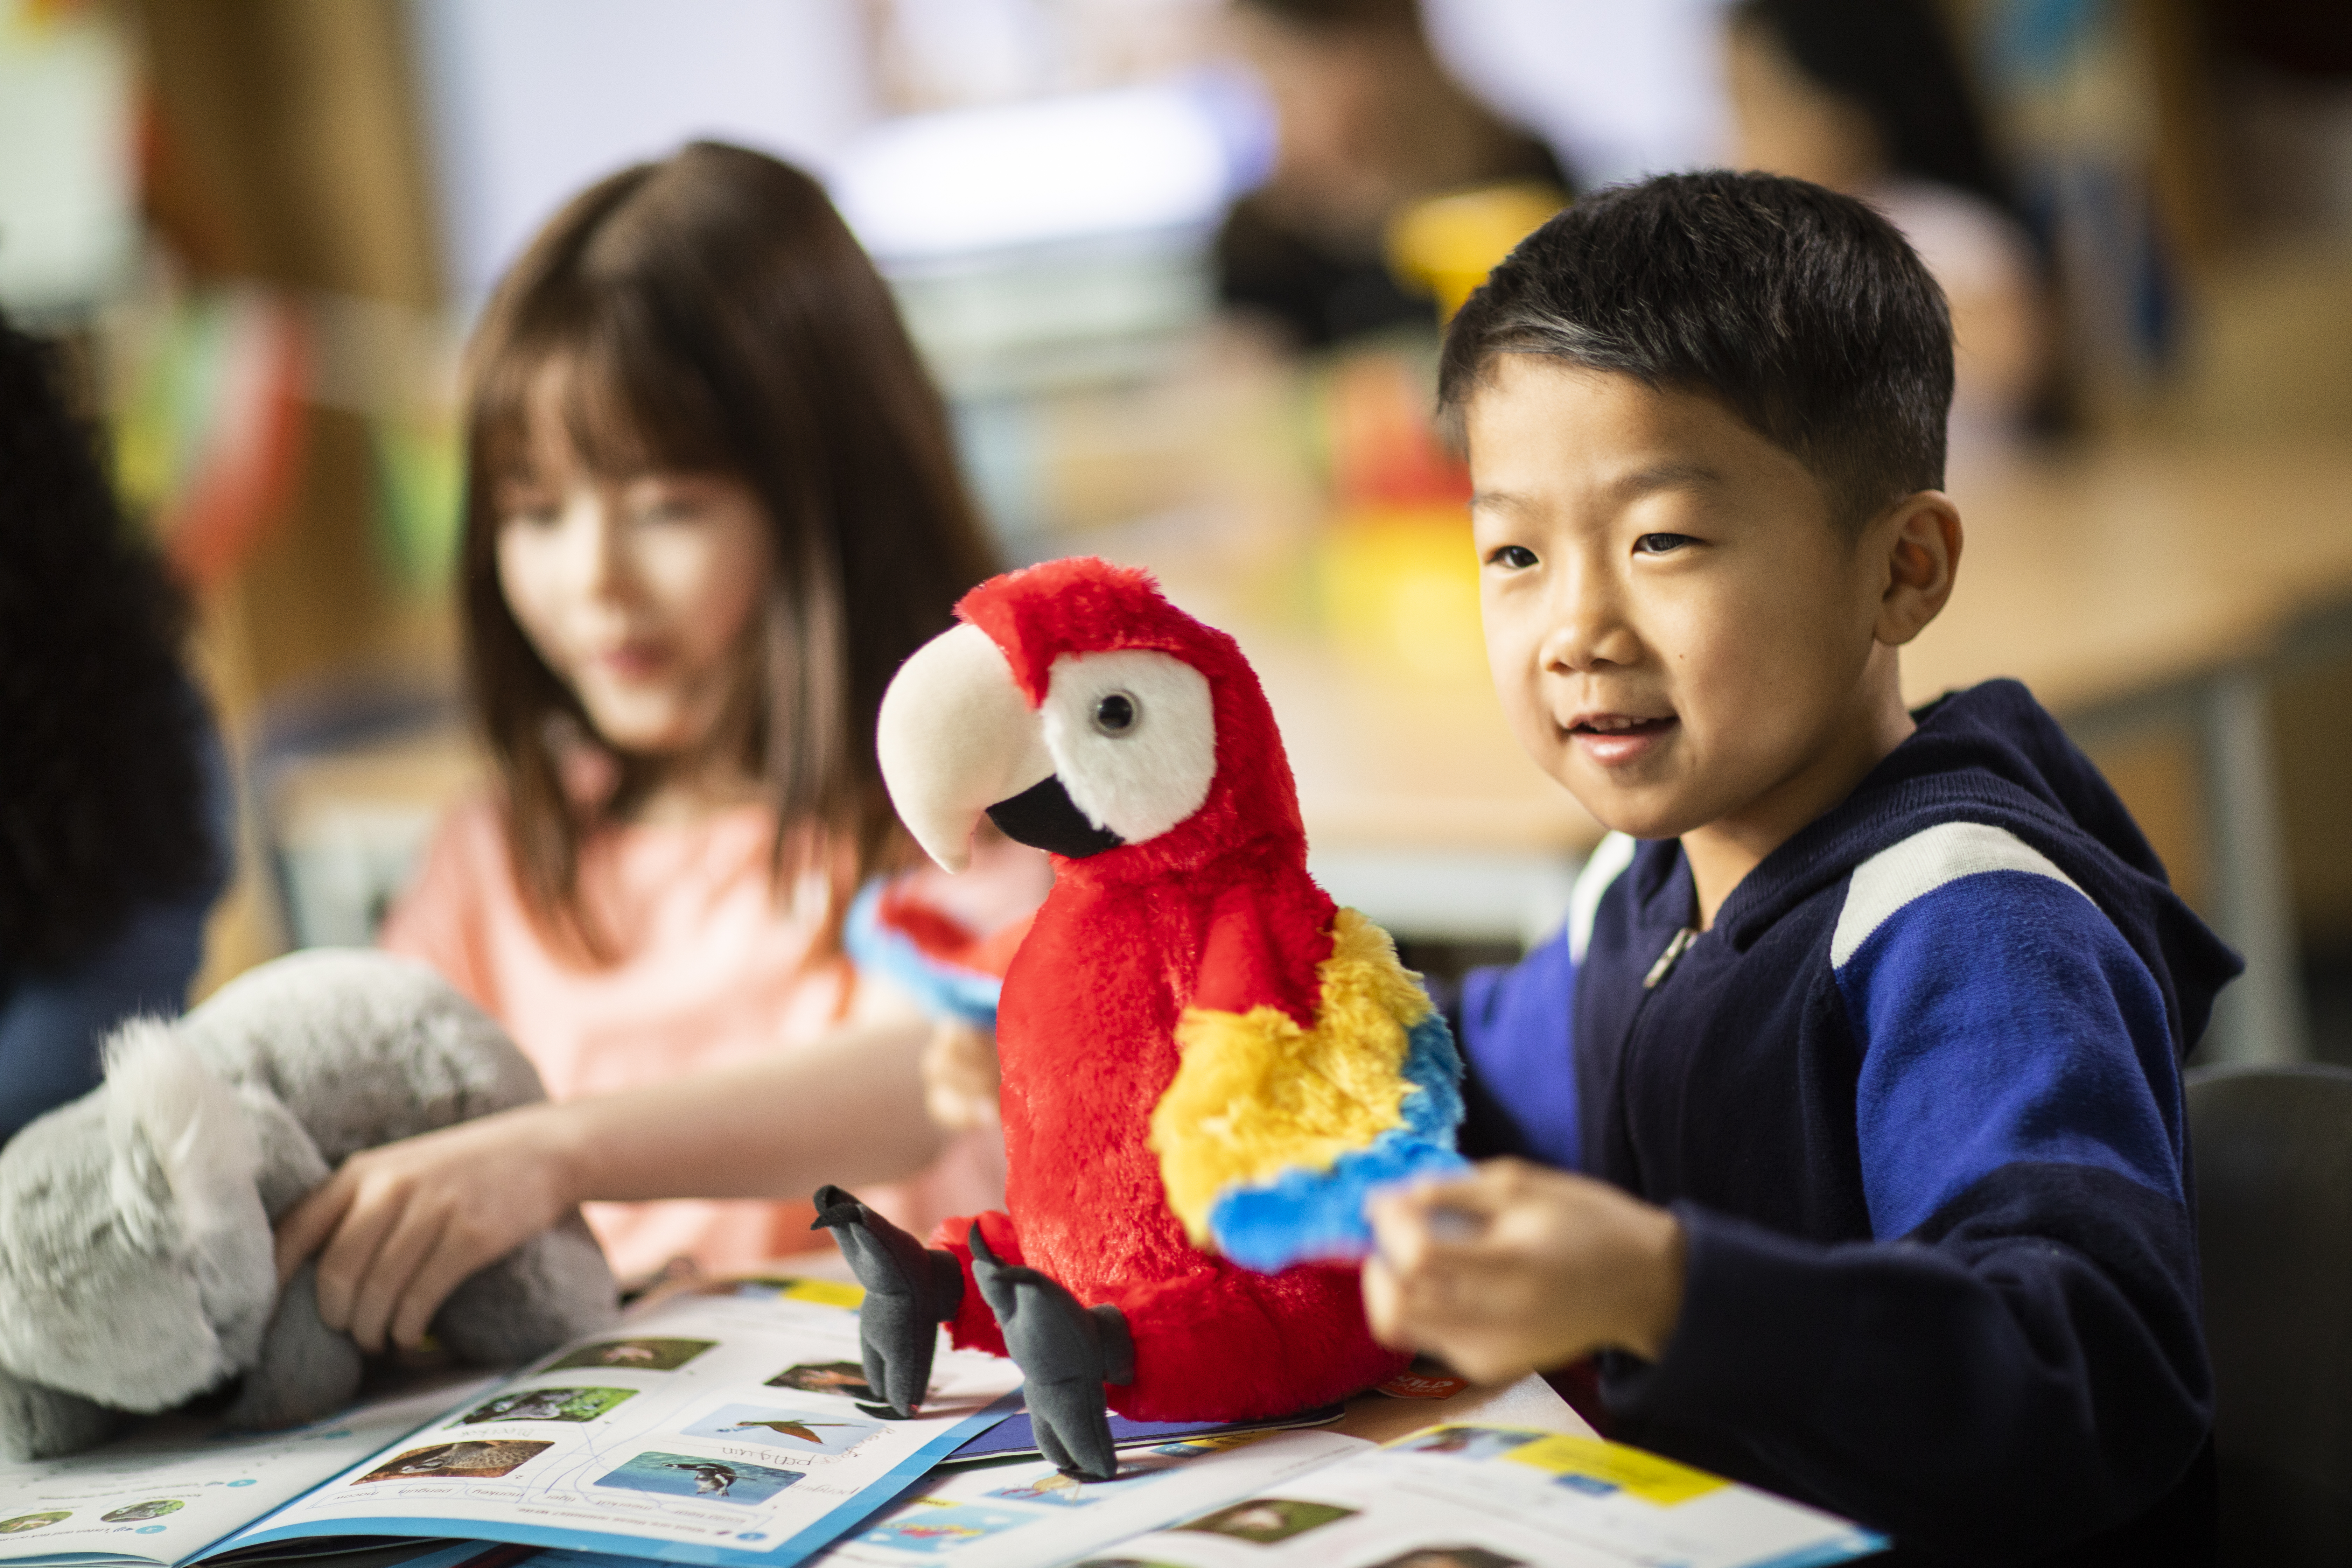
[(730, 1427), (175, 1487)]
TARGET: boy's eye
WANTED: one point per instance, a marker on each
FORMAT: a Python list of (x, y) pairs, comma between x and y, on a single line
[(1661, 543), (1516, 557)]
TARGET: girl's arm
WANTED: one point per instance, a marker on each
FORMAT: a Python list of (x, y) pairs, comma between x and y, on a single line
[(398, 1227)]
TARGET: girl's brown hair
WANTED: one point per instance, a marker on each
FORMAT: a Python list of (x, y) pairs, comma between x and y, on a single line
[(712, 313)]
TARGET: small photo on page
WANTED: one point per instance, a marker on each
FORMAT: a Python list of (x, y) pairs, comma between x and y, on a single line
[(846, 1378), (546, 1405), (690, 1475), (469, 1461), (1451, 1557), (802, 1432), (939, 1530), (154, 1508), (636, 1355), (1268, 1520), (1468, 1442), (25, 1521)]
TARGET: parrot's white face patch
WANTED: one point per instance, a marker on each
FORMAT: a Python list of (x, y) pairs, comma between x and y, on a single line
[(1134, 737)]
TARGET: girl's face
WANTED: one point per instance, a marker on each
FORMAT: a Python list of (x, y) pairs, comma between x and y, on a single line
[(640, 593)]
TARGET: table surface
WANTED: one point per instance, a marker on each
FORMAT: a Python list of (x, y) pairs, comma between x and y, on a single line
[(2090, 577)]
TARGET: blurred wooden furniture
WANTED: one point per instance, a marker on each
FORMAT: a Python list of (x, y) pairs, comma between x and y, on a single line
[(2150, 584)]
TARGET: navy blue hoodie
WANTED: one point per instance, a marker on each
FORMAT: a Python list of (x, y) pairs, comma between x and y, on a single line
[(1915, 1098)]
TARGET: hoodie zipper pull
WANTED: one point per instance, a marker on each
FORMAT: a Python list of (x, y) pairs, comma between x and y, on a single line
[(1675, 950)]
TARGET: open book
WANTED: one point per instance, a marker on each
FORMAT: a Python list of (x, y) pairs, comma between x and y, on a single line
[(734, 1428)]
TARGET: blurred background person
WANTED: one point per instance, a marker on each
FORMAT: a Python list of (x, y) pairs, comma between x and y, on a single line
[(711, 506), (113, 814), (1365, 119), (1867, 97)]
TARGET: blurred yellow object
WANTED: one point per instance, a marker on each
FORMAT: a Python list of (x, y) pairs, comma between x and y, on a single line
[(1447, 244), (1400, 592)]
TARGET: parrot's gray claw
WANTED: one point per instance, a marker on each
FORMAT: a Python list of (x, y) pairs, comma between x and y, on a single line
[(910, 1291), (1065, 1353)]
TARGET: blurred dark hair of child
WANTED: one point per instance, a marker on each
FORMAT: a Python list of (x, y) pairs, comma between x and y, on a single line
[(111, 779), (1867, 97), (1367, 120)]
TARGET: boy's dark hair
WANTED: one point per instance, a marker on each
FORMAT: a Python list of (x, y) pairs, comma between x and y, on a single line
[(1804, 312)]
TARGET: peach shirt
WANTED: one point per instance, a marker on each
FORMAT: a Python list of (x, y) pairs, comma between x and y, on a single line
[(711, 969)]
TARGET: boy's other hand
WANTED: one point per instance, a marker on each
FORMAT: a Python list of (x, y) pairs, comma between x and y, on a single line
[(1515, 1267), (960, 1077), (398, 1227)]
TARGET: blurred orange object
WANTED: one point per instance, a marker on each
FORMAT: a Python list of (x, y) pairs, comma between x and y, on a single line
[(1399, 582)]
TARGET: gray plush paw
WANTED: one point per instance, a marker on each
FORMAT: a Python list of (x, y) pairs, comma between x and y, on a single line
[(1065, 1353), (554, 1288), (306, 1369), (39, 1423)]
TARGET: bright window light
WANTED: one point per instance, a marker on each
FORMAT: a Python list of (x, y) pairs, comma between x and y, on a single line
[(1089, 165)]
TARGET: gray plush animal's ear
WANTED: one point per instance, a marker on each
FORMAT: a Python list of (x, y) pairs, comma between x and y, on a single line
[(167, 1116), (134, 1256)]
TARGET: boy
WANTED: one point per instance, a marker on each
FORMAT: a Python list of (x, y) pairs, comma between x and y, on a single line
[(1872, 1041)]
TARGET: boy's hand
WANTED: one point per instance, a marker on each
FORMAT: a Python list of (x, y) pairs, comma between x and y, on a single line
[(1515, 1267), (397, 1228), (960, 1077)]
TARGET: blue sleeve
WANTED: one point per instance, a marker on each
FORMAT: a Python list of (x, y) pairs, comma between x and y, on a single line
[(2004, 1020), (2017, 1359), (51, 1025), (1520, 1073)]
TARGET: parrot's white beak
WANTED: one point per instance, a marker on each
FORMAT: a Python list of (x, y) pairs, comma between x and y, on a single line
[(955, 737)]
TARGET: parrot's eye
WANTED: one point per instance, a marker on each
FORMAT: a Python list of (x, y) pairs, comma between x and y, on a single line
[(1116, 714), (1133, 734)]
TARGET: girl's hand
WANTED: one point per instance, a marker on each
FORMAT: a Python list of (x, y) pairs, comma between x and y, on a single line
[(404, 1224), (1515, 1267), (960, 1077)]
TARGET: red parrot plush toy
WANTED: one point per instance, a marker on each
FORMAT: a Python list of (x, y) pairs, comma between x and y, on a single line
[(1207, 1064)]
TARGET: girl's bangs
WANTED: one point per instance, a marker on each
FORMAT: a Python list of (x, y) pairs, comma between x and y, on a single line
[(597, 398)]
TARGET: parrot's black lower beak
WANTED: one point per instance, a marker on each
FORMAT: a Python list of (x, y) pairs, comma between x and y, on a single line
[(1043, 816)]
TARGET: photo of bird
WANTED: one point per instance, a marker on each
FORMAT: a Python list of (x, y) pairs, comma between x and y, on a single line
[(711, 1479), (798, 1430)]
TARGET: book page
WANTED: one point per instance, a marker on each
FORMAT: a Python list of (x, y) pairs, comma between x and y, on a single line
[(177, 1485), (730, 1427), (1014, 1515), (1498, 1497)]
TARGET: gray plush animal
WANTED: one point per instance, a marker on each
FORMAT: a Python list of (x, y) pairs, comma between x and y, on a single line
[(135, 1255)]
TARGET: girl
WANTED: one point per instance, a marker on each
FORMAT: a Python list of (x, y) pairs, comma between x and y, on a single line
[(710, 508)]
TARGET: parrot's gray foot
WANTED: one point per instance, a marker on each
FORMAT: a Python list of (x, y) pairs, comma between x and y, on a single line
[(1065, 1353), (910, 1291)]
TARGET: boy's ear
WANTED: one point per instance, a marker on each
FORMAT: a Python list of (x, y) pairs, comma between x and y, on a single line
[(1920, 538)]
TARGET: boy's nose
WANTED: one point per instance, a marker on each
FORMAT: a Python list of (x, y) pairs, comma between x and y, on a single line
[(1588, 638)]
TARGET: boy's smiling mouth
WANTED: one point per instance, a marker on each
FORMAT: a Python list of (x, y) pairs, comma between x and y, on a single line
[(1616, 739)]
